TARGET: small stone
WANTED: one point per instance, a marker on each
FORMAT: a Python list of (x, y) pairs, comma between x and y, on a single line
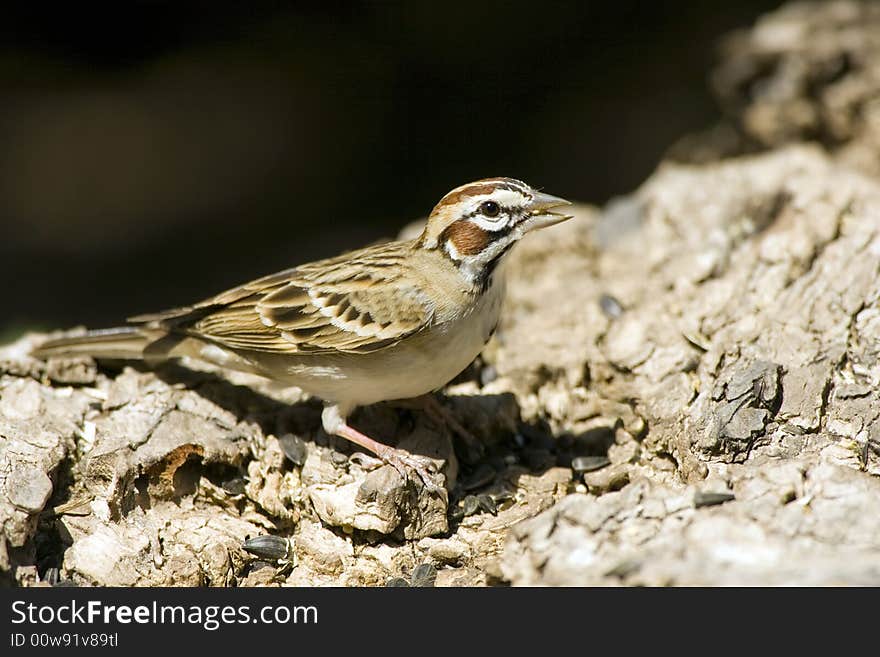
[(424, 575), (446, 550), (488, 374), (294, 449), (380, 500), (338, 458), (582, 464), (396, 582), (628, 345), (29, 489), (711, 498), (610, 306), (608, 479)]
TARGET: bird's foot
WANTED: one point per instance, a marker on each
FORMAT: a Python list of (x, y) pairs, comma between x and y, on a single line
[(407, 464), (401, 460)]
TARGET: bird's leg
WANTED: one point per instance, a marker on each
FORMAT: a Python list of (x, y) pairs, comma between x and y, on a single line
[(401, 460)]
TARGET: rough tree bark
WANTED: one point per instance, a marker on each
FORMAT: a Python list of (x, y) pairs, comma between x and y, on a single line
[(683, 390)]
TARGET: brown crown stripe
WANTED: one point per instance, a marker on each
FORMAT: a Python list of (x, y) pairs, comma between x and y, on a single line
[(478, 188), (468, 238)]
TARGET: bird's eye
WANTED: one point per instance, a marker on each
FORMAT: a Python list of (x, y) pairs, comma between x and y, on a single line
[(490, 208)]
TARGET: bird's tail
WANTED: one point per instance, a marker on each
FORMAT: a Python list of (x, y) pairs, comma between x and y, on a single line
[(125, 342)]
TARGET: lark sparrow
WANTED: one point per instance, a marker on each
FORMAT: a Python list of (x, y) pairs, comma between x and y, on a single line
[(391, 321)]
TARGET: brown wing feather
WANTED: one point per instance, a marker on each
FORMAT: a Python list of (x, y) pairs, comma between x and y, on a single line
[(357, 302)]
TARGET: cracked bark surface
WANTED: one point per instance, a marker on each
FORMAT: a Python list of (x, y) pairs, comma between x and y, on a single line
[(751, 294), (682, 390)]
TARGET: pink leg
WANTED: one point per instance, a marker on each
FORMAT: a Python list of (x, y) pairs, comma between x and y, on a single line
[(399, 459)]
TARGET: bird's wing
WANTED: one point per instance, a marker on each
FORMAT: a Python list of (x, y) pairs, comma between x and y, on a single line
[(358, 302)]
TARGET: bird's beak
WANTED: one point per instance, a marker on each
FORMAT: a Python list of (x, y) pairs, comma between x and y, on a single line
[(541, 214)]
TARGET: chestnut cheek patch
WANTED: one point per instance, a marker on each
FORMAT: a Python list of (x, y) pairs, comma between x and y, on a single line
[(467, 238)]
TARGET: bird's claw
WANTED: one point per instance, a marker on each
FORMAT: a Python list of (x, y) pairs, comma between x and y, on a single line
[(407, 464)]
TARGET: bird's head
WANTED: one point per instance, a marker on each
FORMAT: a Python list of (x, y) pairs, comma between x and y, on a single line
[(476, 225)]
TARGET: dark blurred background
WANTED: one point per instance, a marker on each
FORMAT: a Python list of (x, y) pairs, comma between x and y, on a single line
[(157, 152)]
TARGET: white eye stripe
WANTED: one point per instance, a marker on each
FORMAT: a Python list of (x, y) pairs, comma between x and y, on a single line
[(505, 198)]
